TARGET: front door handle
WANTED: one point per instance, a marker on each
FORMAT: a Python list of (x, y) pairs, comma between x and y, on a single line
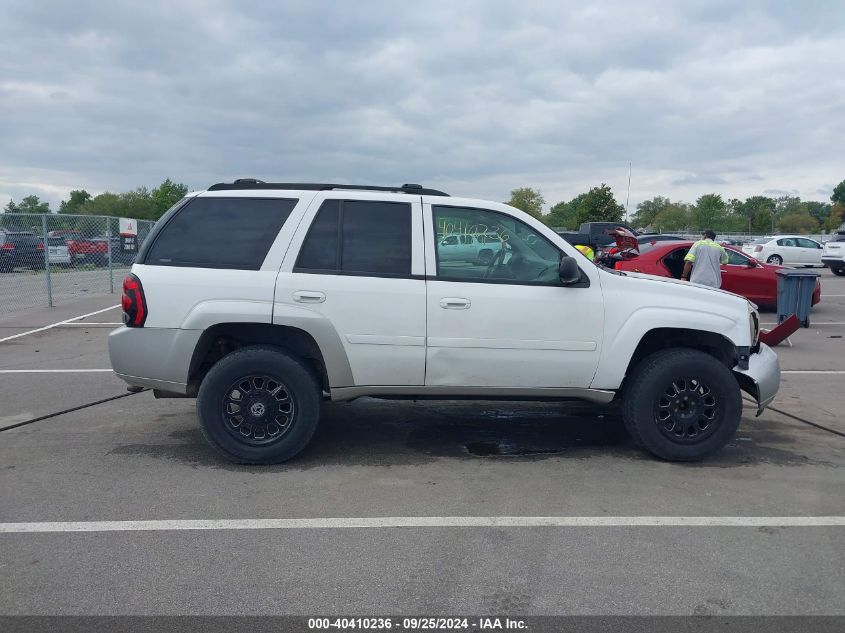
[(309, 296), (455, 303)]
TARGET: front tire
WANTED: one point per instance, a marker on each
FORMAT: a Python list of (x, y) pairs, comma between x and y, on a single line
[(838, 271), (681, 404), (775, 260), (259, 405)]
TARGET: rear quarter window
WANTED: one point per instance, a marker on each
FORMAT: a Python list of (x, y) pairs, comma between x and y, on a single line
[(216, 232)]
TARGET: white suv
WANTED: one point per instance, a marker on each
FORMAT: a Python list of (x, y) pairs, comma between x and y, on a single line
[(263, 299), (833, 255)]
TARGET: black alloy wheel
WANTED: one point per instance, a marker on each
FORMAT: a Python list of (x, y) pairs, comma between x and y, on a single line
[(258, 409), (686, 411)]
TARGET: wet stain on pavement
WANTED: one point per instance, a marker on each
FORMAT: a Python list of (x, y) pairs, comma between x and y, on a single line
[(370, 433)]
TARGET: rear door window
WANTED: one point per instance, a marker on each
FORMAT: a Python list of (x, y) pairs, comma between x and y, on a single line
[(359, 237), (220, 233)]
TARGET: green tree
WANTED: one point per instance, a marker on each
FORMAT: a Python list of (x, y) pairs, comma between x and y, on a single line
[(836, 217), (75, 201), (797, 222), (599, 205), (31, 204), (675, 217), (139, 203), (106, 203), (838, 194), (564, 215), (819, 210), (648, 210), (762, 220), (710, 211), (169, 193), (525, 199), (11, 207)]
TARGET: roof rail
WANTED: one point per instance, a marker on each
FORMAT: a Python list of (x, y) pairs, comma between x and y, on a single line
[(252, 183)]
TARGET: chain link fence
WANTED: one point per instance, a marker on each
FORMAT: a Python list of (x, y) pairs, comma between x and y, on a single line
[(49, 259)]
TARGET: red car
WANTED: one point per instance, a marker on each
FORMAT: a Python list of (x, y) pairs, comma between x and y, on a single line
[(742, 275)]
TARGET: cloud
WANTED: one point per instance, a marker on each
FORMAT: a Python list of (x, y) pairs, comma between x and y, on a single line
[(476, 98)]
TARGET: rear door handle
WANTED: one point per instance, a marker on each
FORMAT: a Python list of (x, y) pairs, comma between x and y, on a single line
[(309, 296), (455, 303)]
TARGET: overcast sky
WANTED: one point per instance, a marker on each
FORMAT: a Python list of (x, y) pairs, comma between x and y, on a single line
[(476, 98)]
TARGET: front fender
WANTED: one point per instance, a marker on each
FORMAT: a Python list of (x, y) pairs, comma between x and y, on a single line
[(623, 335)]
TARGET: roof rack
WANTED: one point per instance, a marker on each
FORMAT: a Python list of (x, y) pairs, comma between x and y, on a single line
[(252, 183)]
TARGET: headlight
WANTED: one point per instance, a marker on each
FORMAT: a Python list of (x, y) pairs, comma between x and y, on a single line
[(753, 323)]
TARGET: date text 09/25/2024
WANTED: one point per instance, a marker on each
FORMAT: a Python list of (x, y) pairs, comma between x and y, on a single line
[(416, 624)]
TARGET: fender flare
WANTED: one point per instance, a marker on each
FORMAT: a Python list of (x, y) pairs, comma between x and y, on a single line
[(620, 346)]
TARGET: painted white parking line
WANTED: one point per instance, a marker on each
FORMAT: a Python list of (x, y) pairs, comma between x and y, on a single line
[(53, 371), (420, 522), (52, 325), (811, 371), (815, 323), (90, 323)]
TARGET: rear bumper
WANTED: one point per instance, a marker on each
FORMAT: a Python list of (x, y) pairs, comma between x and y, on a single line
[(834, 261), (762, 378), (158, 358)]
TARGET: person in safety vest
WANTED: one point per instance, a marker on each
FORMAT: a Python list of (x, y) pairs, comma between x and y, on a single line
[(703, 260), (586, 251)]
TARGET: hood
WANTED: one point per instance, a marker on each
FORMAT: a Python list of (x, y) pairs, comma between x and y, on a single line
[(625, 240), (685, 284)]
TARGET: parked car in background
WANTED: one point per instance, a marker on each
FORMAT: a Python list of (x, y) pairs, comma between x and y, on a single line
[(742, 275), (58, 251), (20, 249), (596, 235), (467, 247), (833, 254), (648, 238), (88, 251), (791, 250)]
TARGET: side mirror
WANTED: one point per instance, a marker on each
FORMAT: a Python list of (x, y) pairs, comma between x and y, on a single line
[(568, 270)]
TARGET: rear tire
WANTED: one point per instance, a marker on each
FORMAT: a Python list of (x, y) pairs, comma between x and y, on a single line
[(838, 271), (681, 404), (775, 260), (259, 405)]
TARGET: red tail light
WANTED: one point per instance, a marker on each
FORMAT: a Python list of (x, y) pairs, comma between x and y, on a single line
[(133, 302), (7, 247), (40, 246)]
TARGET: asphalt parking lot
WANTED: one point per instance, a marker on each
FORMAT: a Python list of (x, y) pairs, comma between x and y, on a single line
[(137, 458)]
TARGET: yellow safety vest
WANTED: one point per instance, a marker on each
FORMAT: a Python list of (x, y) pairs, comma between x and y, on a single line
[(587, 251)]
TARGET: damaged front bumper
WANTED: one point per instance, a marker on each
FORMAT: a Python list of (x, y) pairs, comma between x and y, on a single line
[(762, 378)]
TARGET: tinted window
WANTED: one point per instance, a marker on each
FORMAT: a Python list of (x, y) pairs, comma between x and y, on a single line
[(376, 237), (787, 241), (319, 252), (503, 248), (359, 237), (735, 259), (220, 233), (803, 242)]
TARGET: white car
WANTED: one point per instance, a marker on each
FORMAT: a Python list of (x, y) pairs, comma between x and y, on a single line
[(468, 247), (58, 252), (290, 294), (787, 250), (833, 255)]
